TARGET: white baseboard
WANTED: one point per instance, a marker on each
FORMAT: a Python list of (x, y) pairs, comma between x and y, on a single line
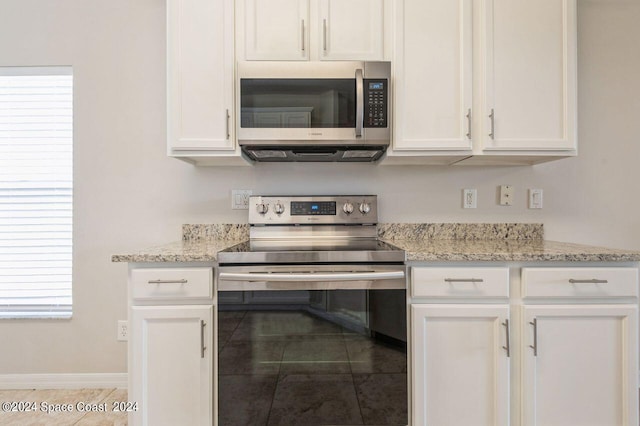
[(63, 381)]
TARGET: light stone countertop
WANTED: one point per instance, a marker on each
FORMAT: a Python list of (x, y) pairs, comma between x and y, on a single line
[(179, 251), (509, 251), (421, 242)]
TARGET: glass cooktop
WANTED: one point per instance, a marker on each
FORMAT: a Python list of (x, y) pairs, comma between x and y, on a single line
[(367, 250)]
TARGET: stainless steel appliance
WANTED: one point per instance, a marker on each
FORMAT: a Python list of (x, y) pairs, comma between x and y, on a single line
[(312, 317), (314, 111)]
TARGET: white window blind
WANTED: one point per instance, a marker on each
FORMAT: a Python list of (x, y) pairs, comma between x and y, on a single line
[(36, 190)]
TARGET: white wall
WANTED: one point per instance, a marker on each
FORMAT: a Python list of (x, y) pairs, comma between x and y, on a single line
[(129, 195)]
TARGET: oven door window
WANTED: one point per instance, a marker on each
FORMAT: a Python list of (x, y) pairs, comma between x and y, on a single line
[(316, 357), (298, 103)]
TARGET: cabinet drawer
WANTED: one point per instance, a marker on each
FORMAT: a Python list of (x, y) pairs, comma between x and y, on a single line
[(579, 282), (460, 282), (173, 283)]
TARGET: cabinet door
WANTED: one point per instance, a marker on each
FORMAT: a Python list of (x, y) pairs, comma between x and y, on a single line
[(584, 369), (530, 74), (200, 75), (351, 30), (433, 75), (460, 366), (276, 30), (171, 373)]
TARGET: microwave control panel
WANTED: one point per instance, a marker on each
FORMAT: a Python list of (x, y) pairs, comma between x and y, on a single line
[(375, 102)]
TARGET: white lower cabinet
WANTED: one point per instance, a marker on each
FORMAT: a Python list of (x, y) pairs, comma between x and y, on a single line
[(579, 364), (172, 365), (460, 346), (460, 364), (171, 346), (574, 357), (580, 346)]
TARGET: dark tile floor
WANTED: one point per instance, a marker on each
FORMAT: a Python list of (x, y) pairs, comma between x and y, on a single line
[(291, 368)]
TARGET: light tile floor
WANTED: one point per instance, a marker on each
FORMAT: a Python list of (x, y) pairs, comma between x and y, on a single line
[(47, 398)]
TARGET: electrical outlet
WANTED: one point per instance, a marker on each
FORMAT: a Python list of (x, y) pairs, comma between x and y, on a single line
[(535, 198), (123, 330), (506, 195), (240, 199), (469, 198)]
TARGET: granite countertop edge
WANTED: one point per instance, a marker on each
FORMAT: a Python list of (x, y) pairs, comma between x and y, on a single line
[(416, 251)]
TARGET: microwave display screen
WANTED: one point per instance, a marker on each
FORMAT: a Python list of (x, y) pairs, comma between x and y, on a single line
[(298, 103), (376, 86)]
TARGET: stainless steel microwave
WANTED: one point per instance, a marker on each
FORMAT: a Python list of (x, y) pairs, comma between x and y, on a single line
[(314, 111)]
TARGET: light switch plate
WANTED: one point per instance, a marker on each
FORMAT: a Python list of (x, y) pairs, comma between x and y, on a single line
[(240, 199), (535, 198)]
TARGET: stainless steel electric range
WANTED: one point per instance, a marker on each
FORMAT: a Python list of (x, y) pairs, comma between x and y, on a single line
[(312, 317)]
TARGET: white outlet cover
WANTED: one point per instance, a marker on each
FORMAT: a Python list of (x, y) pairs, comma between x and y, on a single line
[(123, 331), (469, 198)]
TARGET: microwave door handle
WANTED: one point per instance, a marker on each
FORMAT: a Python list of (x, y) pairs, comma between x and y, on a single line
[(359, 102)]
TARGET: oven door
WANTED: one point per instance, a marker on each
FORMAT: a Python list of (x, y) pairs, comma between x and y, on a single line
[(312, 345)]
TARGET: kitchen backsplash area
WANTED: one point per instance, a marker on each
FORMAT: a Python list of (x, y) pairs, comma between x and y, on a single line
[(390, 231)]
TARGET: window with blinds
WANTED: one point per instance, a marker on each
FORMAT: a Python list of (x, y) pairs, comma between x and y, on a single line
[(36, 191)]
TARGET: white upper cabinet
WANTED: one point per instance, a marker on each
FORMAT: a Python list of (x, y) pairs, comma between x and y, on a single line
[(276, 30), (487, 82), (200, 78), (529, 82), (301, 30), (433, 75), (351, 29)]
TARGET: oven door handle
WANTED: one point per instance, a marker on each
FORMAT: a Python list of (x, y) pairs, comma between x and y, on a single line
[(312, 276)]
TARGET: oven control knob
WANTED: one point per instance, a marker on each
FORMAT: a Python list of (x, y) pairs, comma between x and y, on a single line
[(278, 208), (262, 208), (347, 208), (365, 208)]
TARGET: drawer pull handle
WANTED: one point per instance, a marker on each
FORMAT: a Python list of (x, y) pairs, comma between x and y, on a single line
[(591, 281), (463, 280), (508, 342), (202, 346), (182, 281), (535, 337)]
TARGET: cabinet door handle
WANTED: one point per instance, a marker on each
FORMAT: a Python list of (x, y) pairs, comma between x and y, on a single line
[(468, 123), (463, 280), (228, 128), (302, 32), (202, 346), (535, 337), (324, 35), (182, 281), (591, 281), (492, 118), (508, 340)]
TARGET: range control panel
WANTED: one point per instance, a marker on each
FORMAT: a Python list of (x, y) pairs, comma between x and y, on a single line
[(299, 210), (375, 102)]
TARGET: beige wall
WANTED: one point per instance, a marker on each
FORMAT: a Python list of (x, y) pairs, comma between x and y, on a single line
[(129, 195)]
